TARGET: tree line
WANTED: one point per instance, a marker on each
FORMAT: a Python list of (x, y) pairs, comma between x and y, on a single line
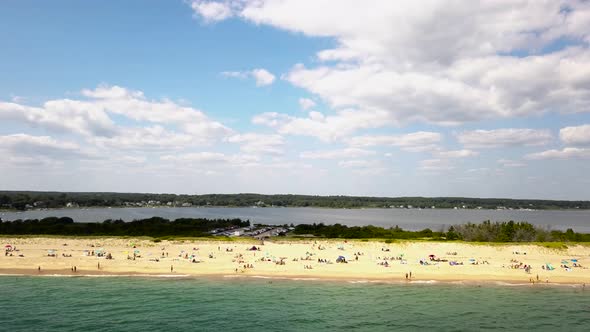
[(154, 227), (487, 231), (22, 200)]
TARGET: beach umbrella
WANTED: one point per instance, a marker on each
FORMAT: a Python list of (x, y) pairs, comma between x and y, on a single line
[(574, 260), (8, 246)]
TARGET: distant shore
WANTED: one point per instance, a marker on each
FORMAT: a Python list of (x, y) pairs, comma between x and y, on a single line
[(280, 207), (303, 259)]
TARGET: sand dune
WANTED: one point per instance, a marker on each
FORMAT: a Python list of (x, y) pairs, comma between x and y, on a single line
[(480, 262)]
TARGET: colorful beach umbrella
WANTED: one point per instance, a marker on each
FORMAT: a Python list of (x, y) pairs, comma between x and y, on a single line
[(8, 246)]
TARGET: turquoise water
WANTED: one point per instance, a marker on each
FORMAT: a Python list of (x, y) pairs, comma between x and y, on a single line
[(165, 304)]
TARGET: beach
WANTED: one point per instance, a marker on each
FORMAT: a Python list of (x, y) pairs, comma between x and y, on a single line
[(313, 259)]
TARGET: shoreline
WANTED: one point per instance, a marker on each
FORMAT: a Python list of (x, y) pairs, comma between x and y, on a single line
[(286, 278)]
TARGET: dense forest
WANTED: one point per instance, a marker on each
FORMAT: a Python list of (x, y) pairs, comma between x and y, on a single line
[(188, 227), (154, 227), (22, 200), (485, 232)]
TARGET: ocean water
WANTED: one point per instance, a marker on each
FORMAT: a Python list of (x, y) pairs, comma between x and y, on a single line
[(410, 219), (234, 304)]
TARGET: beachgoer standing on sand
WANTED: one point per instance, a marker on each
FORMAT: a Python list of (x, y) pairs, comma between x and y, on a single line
[(171, 268), (98, 265), (410, 274), (406, 276), (39, 269)]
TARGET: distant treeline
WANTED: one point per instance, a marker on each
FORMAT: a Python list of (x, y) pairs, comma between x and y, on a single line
[(154, 227), (485, 232), (22, 200)]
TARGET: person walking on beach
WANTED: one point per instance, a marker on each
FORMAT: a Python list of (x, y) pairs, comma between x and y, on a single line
[(171, 268), (98, 265), (406, 276), (410, 274)]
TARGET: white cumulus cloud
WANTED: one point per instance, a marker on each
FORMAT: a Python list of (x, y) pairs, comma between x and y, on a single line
[(254, 143), (212, 11), (444, 63), (578, 135), (414, 142), (565, 153), (261, 76), (337, 154), (505, 137), (306, 103)]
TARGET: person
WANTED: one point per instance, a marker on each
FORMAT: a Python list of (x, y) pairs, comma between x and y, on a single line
[(98, 265), (171, 268), (75, 269), (39, 268), (406, 276), (410, 274), (537, 277)]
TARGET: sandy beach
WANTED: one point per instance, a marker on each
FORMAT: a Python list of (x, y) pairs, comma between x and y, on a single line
[(308, 259)]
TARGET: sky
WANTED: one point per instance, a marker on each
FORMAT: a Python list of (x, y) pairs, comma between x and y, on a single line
[(322, 97)]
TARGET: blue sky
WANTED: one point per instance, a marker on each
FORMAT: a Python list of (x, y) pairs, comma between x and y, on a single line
[(310, 97)]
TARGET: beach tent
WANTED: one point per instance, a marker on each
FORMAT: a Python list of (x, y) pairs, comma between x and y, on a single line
[(340, 259)]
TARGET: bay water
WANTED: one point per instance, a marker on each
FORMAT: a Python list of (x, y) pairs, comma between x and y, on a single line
[(409, 219)]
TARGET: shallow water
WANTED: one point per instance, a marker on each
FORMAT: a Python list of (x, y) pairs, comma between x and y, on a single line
[(236, 304), (410, 219)]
